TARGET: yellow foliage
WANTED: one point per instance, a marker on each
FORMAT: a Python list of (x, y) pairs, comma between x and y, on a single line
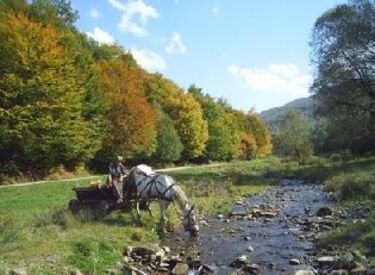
[(185, 112)]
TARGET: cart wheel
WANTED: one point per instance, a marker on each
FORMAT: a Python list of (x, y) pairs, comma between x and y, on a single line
[(100, 209), (74, 206), (105, 208)]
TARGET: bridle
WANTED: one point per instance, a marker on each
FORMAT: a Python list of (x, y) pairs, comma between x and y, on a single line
[(189, 223)]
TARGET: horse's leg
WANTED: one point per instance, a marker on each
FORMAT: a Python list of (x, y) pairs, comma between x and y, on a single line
[(163, 211), (149, 210), (137, 207)]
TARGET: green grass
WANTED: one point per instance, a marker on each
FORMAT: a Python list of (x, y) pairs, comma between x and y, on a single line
[(358, 236), (353, 183), (37, 232)]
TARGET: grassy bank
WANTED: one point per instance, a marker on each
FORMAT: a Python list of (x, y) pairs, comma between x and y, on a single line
[(354, 185), (37, 232)]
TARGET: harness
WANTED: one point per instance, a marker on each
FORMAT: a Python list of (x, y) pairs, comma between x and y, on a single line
[(153, 182)]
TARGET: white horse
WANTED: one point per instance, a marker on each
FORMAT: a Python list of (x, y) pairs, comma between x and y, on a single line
[(146, 185)]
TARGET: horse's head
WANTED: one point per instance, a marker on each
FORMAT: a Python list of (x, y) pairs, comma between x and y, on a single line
[(190, 221)]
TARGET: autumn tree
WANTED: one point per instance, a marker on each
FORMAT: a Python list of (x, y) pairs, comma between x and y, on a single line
[(248, 146), (41, 99), (258, 129), (130, 118), (185, 112), (250, 124)]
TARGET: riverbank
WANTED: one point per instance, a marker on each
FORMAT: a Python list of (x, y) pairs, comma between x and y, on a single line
[(37, 234)]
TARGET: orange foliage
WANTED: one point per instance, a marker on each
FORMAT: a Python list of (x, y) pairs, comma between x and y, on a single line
[(131, 119), (248, 146)]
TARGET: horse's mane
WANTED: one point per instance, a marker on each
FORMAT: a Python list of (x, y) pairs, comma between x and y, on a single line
[(145, 169), (180, 197)]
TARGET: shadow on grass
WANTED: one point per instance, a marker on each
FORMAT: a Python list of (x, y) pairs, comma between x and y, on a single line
[(321, 172), (130, 219)]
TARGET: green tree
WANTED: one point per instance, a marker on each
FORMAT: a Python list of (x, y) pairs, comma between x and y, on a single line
[(223, 138), (343, 53), (169, 146), (185, 112), (58, 13), (293, 137), (12, 6)]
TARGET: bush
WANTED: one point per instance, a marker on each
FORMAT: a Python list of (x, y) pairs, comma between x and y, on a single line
[(335, 157), (359, 185), (57, 217), (316, 161)]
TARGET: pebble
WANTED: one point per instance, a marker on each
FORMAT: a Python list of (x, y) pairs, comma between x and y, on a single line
[(326, 260), (304, 272), (180, 269), (204, 222), (294, 261), (242, 258)]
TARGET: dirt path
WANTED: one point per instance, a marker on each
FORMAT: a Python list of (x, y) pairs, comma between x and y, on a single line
[(95, 177), (269, 233)]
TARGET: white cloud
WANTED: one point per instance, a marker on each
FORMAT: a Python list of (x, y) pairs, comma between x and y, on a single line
[(149, 60), (101, 36), (132, 10), (94, 13), (276, 78), (175, 45), (215, 10)]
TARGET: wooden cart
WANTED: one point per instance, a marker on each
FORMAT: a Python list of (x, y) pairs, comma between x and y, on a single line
[(101, 199)]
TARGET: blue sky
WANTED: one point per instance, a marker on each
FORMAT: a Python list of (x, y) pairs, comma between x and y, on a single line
[(253, 53)]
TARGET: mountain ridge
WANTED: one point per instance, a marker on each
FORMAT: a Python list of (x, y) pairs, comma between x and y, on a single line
[(274, 116)]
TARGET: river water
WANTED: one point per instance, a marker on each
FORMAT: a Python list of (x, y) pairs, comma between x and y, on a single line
[(271, 236)]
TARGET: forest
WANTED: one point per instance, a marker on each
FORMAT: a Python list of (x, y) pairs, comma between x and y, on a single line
[(68, 103)]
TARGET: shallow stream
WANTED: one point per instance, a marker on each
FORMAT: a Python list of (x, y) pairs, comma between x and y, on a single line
[(267, 228)]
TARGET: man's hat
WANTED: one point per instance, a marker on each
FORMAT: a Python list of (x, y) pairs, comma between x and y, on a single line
[(120, 158)]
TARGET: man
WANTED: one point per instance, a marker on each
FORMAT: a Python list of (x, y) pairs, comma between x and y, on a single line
[(116, 177)]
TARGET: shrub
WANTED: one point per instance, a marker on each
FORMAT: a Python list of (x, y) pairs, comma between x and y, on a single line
[(57, 217), (335, 157), (351, 186)]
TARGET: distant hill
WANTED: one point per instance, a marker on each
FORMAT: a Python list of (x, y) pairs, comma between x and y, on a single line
[(273, 117)]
